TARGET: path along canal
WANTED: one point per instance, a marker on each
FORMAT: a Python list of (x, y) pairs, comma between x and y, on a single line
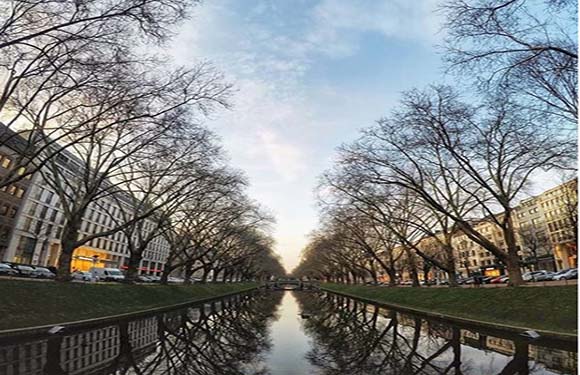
[(286, 333)]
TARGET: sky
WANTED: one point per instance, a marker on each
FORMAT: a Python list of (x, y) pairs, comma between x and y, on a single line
[(309, 74)]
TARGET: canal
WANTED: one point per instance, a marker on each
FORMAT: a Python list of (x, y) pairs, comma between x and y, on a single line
[(286, 333)]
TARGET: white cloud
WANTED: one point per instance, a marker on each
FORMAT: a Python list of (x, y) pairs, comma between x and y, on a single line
[(281, 131)]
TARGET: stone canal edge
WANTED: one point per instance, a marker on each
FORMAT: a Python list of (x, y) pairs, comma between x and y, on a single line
[(568, 337)]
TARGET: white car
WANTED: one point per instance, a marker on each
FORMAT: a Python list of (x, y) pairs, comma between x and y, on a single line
[(571, 273), (175, 280), (82, 276), (6, 270), (107, 274)]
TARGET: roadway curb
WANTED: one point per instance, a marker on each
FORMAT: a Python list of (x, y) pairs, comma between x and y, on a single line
[(466, 321), (111, 318)]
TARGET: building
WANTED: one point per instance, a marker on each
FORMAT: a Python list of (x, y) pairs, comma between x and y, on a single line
[(552, 217), (13, 195), (34, 222), (471, 258), (546, 236)]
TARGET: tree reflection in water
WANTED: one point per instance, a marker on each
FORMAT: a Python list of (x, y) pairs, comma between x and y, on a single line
[(230, 337), (234, 336), (352, 337), (226, 337)]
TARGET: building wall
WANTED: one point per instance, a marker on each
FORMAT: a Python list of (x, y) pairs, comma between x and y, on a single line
[(37, 228), (11, 200), (545, 234)]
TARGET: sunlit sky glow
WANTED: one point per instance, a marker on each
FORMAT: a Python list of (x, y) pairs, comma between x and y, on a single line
[(309, 74)]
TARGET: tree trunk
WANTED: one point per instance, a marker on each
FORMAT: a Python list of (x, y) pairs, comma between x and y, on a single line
[(69, 239), (452, 280), (392, 276), (514, 272), (188, 272), (513, 260), (133, 267)]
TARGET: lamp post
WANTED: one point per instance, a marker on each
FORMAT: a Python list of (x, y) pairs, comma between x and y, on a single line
[(95, 261)]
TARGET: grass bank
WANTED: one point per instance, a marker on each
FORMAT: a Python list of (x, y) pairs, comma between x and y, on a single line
[(541, 308), (30, 303)]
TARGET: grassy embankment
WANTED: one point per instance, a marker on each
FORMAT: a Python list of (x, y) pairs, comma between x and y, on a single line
[(29, 303), (541, 308)]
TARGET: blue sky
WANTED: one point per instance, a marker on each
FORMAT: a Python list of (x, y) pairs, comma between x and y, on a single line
[(309, 75)]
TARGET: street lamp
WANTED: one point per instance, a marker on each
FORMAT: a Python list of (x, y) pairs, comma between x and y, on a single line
[(95, 261)]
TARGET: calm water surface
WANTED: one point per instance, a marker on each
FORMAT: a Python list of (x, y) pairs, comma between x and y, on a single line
[(286, 333)]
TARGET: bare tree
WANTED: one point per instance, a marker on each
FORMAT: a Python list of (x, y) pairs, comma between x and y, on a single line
[(523, 47), (58, 57), (497, 149)]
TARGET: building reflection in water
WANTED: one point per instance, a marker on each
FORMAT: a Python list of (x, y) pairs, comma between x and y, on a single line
[(353, 337), (235, 335), (225, 337)]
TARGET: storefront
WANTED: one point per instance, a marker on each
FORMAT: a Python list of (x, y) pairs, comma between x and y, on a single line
[(493, 270), (84, 258)]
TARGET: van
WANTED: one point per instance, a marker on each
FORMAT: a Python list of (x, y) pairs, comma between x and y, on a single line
[(107, 274)]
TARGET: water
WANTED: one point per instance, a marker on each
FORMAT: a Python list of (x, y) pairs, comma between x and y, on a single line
[(266, 333)]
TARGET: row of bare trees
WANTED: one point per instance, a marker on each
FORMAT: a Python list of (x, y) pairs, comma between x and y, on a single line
[(112, 127), (444, 160)]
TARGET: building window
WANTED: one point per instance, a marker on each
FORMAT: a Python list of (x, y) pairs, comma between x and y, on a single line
[(27, 224), (19, 193), (6, 162), (49, 197), (43, 212), (32, 209), (38, 227)]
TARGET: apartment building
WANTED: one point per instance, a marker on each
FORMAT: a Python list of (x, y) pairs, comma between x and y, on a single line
[(34, 222), (13, 195), (546, 235), (472, 258), (559, 223)]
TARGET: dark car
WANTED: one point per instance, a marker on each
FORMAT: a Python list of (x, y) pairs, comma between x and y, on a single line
[(42, 273), (6, 270)]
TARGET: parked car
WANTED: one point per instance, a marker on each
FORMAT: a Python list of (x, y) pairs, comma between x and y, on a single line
[(543, 275), (569, 274), (407, 282), (529, 276), (6, 270), (42, 273), (499, 280), (144, 278), (24, 271), (107, 274), (175, 280), (477, 280), (557, 275), (82, 276), (154, 279)]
